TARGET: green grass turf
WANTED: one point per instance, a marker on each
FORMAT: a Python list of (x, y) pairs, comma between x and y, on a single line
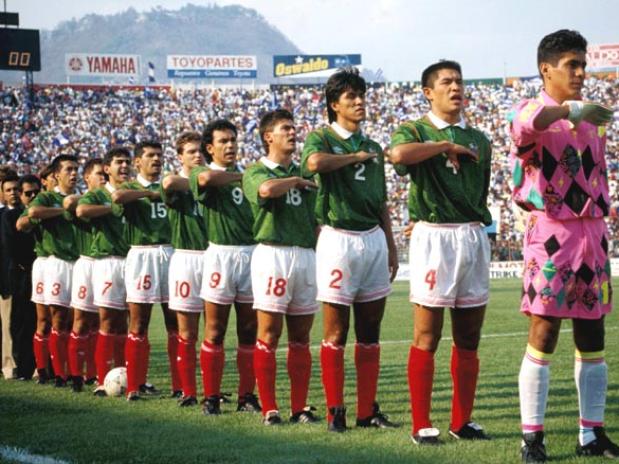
[(83, 429)]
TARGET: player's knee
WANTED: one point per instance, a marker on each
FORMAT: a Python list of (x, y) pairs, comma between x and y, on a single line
[(427, 341), (215, 333), (467, 341)]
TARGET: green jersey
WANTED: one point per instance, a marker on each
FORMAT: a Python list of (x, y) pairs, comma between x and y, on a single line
[(37, 235), (353, 196), (438, 192), (84, 234), (229, 215), (109, 236), (146, 221), (287, 220), (187, 220), (57, 233)]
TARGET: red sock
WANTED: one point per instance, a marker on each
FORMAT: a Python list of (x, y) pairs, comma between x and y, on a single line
[(464, 372), (58, 351), (135, 349), (332, 364), (172, 359), (91, 368), (78, 346), (104, 353), (119, 349), (266, 369), (187, 365), (367, 362), (245, 366), (420, 377), (144, 357), (299, 370), (40, 345), (212, 359)]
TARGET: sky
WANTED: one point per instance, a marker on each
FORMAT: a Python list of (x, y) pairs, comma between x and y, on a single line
[(490, 38)]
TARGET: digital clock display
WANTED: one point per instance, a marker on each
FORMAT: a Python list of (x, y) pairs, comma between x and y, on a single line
[(19, 49)]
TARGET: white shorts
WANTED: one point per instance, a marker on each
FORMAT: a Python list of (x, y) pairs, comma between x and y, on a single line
[(38, 280), (449, 265), (146, 273), (352, 267), (81, 285), (185, 280), (109, 283), (58, 275), (227, 274), (283, 279)]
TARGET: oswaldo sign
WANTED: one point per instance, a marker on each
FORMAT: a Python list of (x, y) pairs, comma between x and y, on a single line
[(102, 64), (212, 66)]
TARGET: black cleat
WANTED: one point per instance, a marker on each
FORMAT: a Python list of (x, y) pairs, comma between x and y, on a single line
[(100, 392), (470, 431), (149, 389), (248, 403), (338, 424), (211, 406), (272, 418), (90, 381), (601, 446), (426, 437), (178, 394), (187, 401), (304, 417), (43, 376), (77, 383), (60, 382), (377, 420), (533, 450), (133, 396)]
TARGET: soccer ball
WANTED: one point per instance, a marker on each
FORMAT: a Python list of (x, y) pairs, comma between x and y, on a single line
[(115, 383)]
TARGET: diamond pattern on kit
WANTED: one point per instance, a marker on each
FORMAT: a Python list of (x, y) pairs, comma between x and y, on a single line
[(560, 297), (575, 197), (570, 161), (531, 293), (549, 270), (585, 273), (552, 245), (587, 162), (602, 204), (526, 148), (604, 244), (549, 164)]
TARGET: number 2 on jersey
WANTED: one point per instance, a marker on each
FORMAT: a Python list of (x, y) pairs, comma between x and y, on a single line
[(359, 173)]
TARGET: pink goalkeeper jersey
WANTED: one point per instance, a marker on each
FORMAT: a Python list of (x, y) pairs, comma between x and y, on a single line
[(561, 170)]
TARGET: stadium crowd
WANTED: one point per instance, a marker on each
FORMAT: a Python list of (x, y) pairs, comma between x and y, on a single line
[(86, 122)]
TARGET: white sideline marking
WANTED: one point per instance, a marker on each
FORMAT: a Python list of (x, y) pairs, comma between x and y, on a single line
[(22, 455), (492, 335)]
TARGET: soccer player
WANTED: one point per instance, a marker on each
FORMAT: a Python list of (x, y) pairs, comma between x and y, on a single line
[(85, 315), (58, 241), (189, 239), (355, 253), (283, 266), (449, 166), (146, 268), (40, 340), (109, 249), (560, 176), (227, 274)]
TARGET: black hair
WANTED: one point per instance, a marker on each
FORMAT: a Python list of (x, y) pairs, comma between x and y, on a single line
[(552, 46), (207, 135), (269, 120), (11, 176), (138, 150), (341, 81), (29, 179), (57, 162), (115, 152), (90, 165), (429, 75)]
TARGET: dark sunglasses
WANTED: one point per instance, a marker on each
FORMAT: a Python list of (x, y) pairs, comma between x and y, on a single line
[(31, 193)]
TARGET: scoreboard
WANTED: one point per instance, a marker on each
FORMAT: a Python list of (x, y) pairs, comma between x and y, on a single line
[(19, 49)]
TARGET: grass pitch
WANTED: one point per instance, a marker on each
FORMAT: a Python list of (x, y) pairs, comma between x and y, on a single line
[(80, 428)]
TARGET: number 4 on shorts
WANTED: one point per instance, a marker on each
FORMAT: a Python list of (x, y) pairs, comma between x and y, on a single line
[(431, 278)]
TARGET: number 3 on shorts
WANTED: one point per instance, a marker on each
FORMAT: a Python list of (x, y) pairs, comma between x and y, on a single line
[(431, 278)]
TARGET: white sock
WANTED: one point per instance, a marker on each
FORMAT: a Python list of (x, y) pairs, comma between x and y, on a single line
[(591, 376), (533, 384)]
